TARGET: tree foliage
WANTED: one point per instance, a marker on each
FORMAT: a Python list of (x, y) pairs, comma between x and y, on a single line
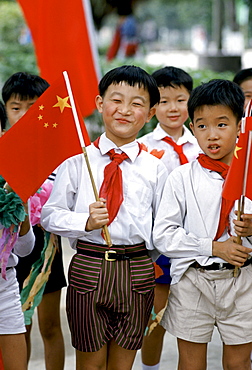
[(14, 56)]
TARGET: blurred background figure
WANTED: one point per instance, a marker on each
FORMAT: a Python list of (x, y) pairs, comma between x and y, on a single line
[(125, 40)]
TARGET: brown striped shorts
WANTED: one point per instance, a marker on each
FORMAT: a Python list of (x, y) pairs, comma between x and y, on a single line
[(108, 299)]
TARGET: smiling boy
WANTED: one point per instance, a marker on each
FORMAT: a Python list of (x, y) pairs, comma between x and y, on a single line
[(191, 229), (110, 294)]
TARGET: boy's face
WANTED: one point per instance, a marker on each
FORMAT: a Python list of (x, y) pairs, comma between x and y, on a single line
[(172, 109), (125, 109), (246, 87), (216, 129), (16, 108)]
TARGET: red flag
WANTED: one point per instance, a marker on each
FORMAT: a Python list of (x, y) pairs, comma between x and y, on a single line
[(43, 138), (239, 178), (62, 33)]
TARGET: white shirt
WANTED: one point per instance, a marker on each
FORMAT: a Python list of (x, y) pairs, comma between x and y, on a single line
[(153, 140), (188, 218), (67, 210)]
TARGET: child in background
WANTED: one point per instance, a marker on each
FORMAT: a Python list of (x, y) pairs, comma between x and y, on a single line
[(19, 92), (3, 118), (110, 294), (244, 79), (191, 229), (175, 145), (12, 328)]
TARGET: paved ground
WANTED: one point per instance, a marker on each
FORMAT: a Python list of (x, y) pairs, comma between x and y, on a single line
[(169, 356)]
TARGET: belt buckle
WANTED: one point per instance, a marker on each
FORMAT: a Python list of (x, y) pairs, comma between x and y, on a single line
[(107, 258)]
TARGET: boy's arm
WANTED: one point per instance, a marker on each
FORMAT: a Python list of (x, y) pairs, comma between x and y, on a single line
[(59, 214), (169, 234)]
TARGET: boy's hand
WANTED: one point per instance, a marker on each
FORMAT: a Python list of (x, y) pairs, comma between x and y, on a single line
[(98, 215), (231, 251), (244, 226)]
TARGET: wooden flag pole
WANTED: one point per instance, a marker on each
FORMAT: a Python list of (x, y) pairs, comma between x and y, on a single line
[(97, 198), (239, 214), (82, 143)]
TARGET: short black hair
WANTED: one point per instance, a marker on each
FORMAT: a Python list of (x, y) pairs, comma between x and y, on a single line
[(172, 76), (243, 75), (132, 76), (24, 85), (3, 116), (217, 92)]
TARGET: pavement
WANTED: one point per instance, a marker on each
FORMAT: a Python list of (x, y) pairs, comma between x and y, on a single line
[(169, 354)]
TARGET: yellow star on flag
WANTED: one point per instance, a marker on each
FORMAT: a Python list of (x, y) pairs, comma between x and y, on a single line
[(237, 148), (41, 107), (55, 125), (62, 103), (40, 117), (46, 124)]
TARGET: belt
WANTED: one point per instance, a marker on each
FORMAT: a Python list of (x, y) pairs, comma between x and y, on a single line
[(219, 266), (112, 255)]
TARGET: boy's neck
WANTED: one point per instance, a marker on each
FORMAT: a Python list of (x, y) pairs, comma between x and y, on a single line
[(219, 160), (119, 141), (175, 132)]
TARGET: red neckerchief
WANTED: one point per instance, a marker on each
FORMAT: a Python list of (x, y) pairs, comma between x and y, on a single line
[(112, 187), (178, 149), (226, 205)]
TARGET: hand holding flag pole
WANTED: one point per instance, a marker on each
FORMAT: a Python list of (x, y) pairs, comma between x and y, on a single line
[(238, 183), (76, 119)]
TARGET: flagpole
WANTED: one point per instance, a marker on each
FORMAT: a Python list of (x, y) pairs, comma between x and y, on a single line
[(77, 123)]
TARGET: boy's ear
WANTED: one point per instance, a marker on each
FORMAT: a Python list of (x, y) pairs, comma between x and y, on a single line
[(99, 103), (191, 125), (151, 113)]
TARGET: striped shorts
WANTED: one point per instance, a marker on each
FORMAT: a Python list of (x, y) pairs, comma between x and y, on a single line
[(109, 300)]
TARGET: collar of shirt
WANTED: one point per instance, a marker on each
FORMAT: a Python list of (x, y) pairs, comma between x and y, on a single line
[(187, 137), (213, 174), (131, 149)]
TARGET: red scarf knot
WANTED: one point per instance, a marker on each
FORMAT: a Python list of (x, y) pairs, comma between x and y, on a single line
[(178, 149)]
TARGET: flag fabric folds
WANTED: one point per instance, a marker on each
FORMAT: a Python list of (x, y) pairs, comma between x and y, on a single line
[(42, 139), (63, 34), (239, 178)]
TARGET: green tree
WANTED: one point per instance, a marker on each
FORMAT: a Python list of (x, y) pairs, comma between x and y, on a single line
[(14, 56)]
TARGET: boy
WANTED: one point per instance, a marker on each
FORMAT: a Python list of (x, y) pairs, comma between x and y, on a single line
[(109, 299), (244, 79), (204, 290), (19, 92), (172, 138)]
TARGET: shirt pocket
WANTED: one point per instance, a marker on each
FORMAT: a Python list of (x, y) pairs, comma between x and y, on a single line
[(138, 198), (142, 274), (84, 273)]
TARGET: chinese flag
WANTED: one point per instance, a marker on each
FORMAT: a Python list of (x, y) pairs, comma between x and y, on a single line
[(43, 138), (239, 178), (62, 33)]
